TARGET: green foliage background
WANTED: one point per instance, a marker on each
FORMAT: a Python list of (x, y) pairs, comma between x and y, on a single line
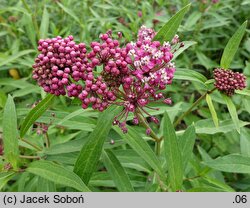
[(124, 162)]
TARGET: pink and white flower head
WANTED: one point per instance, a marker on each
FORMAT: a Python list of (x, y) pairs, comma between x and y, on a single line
[(132, 76)]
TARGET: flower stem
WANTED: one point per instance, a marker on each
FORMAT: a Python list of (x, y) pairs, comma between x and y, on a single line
[(145, 124), (192, 107)]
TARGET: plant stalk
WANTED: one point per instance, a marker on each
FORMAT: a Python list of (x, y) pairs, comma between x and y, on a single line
[(192, 107)]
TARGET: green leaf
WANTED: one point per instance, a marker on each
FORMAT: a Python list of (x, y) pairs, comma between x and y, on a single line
[(231, 163), (173, 154), (117, 172), (186, 144), (187, 44), (245, 142), (191, 75), (168, 31), (219, 184), (16, 56), (212, 110), (35, 113), (3, 99), (206, 126), (91, 151), (71, 13), (141, 147), (232, 46), (243, 92), (44, 27), (57, 174), (10, 133), (233, 112), (45, 185)]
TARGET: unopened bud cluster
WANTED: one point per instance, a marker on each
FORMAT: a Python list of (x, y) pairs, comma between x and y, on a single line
[(228, 81), (132, 75)]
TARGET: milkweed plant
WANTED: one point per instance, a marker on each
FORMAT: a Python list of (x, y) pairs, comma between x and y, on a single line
[(126, 132)]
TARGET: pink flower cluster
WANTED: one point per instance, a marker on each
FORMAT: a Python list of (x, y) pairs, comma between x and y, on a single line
[(228, 81), (132, 75)]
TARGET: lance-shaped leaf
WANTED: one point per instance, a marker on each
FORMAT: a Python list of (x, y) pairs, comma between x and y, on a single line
[(142, 148), (35, 113), (186, 144), (168, 31), (231, 163), (44, 27), (233, 112), (10, 133), (57, 174), (212, 110), (173, 154), (91, 151), (232, 46), (117, 172)]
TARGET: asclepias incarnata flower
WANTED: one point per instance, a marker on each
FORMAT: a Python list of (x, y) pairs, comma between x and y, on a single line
[(132, 76)]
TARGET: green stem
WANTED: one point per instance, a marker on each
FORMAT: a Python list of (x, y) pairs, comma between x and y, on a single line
[(29, 157), (47, 142), (192, 107), (31, 144)]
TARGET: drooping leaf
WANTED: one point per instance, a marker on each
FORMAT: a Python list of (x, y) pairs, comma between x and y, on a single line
[(232, 46), (10, 133), (117, 172), (212, 110), (190, 75), (91, 151), (186, 144), (168, 31), (141, 147), (233, 112), (172, 154), (57, 174), (231, 163), (35, 113)]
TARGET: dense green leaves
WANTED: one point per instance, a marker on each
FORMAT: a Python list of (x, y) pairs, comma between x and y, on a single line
[(57, 174), (168, 31), (12, 58), (35, 113), (232, 47), (91, 151), (5, 177), (117, 172), (172, 154), (10, 133)]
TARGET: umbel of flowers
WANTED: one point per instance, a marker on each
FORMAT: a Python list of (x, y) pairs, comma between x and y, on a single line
[(132, 76), (227, 81)]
